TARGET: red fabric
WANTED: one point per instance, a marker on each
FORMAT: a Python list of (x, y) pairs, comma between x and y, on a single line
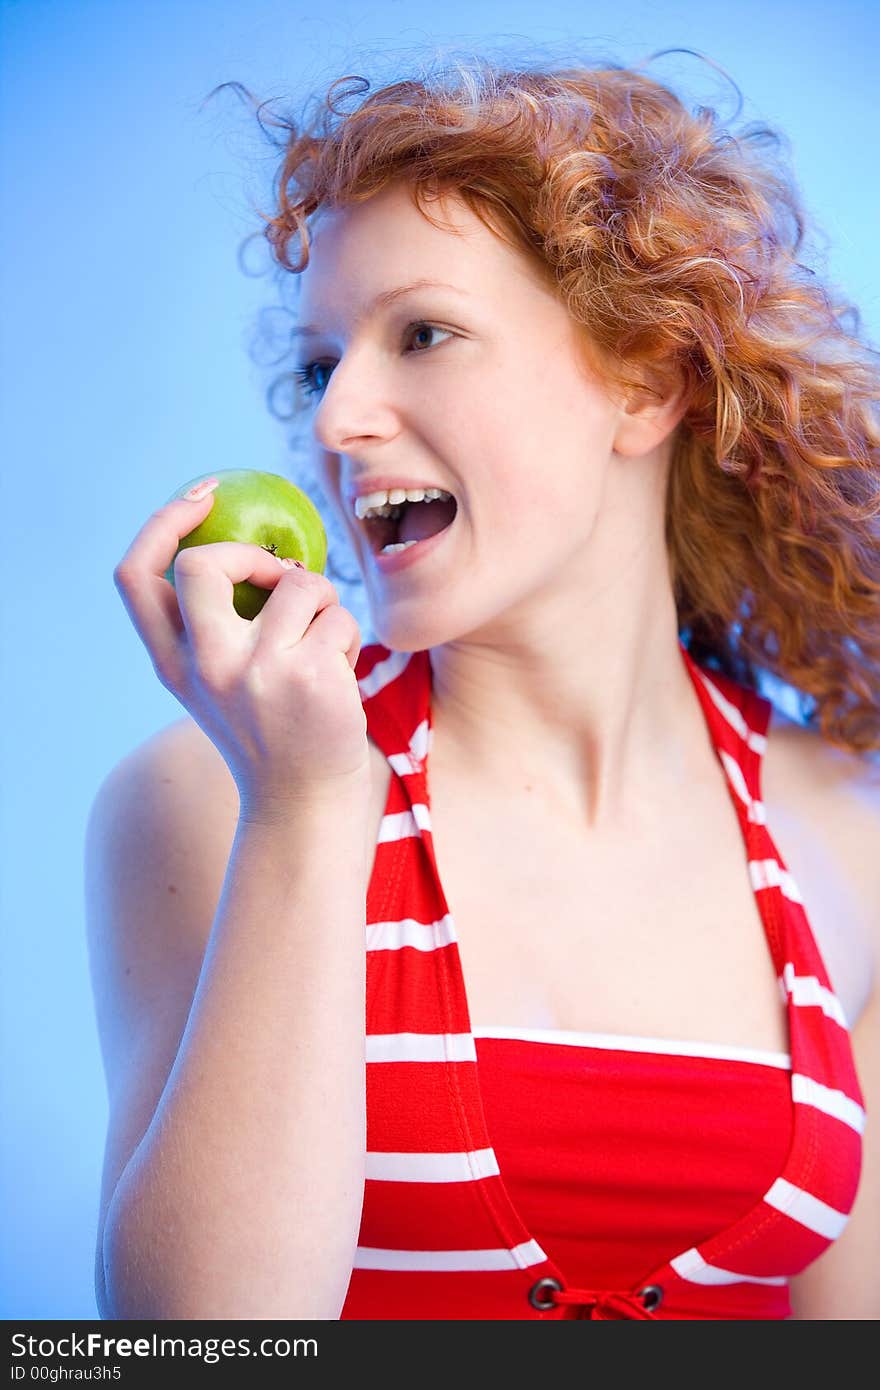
[(494, 1164), (687, 1144)]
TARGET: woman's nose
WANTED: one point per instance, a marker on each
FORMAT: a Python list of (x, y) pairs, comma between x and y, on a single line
[(355, 405)]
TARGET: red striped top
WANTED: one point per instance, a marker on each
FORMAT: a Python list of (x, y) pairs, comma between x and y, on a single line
[(548, 1175)]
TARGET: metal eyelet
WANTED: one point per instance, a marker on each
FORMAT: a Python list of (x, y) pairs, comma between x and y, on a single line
[(651, 1295), (535, 1293)]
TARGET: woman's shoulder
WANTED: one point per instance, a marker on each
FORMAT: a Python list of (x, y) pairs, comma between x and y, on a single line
[(185, 743), (838, 784), (835, 762), (822, 806)]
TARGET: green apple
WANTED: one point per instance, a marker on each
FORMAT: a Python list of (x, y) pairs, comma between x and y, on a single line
[(262, 509)]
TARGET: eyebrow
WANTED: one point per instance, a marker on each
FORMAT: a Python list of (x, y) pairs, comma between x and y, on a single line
[(381, 301)]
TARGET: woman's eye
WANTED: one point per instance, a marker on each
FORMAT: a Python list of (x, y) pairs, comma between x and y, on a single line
[(427, 328), (306, 376)]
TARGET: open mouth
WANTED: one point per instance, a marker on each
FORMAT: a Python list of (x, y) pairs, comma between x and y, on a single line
[(409, 522)]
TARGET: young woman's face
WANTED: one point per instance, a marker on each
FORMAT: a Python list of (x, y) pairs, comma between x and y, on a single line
[(476, 388)]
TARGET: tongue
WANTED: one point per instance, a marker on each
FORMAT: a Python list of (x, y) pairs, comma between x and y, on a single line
[(423, 519)]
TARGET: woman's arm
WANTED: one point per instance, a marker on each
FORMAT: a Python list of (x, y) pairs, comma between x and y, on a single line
[(233, 1036)]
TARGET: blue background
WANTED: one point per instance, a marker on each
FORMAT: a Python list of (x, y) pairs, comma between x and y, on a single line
[(127, 366)]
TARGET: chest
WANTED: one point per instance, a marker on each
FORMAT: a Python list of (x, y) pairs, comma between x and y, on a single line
[(648, 934)]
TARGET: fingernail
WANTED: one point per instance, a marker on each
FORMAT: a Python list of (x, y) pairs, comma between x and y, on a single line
[(201, 490), (289, 564)]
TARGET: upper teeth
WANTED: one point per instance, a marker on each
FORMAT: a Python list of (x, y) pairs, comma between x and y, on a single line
[(384, 503)]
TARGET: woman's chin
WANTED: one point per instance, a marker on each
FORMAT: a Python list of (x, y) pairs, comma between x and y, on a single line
[(409, 624)]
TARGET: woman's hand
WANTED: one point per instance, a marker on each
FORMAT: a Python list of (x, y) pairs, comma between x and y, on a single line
[(276, 694)]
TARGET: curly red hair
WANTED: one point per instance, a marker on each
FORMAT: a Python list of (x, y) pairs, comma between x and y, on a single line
[(674, 244)]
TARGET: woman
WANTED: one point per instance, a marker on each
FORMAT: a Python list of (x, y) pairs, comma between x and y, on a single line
[(571, 312)]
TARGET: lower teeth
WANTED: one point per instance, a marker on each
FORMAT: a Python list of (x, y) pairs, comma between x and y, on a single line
[(396, 545)]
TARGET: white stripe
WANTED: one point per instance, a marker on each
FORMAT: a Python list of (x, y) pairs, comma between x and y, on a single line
[(432, 1167), (769, 873), (693, 1267), (383, 673), (754, 809), (396, 826), (806, 1209), (401, 824), (403, 764), (831, 1102), (625, 1043), (424, 936), (806, 992), (520, 1257), (412, 760), (420, 1047), (735, 718), (420, 742), (422, 815)]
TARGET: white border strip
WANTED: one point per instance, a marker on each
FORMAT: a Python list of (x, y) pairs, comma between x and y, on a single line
[(520, 1257), (693, 1267), (420, 1047), (432, 1167), (626, 1043), (806, 1209)]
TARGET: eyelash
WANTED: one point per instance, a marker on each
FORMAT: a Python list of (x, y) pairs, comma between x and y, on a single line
[(304, 374)]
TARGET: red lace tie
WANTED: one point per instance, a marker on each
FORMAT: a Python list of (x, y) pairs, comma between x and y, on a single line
[(605, 1305)]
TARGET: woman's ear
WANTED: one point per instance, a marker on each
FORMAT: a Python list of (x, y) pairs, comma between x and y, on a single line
[(649, 413)]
